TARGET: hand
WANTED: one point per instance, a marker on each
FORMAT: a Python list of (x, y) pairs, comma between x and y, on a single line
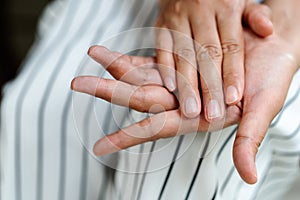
[(208, 34), (269, 68), (143, 93)]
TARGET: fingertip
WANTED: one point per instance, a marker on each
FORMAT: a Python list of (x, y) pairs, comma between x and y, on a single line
[(170, 83), (73, 83), (96, 50), (232, 95), (104, 146), (214, 111), (261, 24), (190, 107), (245, 165), (92, 49), (85, 84), (264, 27), (97, 150)]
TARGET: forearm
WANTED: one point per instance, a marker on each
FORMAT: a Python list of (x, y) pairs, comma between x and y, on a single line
[(286, 18)]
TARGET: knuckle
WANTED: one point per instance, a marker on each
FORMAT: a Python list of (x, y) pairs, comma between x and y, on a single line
[(184, 54), (231, 5), (173, 10), (212, 90), (146, 77), (148, 128), (141, 96), (209, 51), (119, 61), (242, 140), (232, 75), (231, 47), (176, 8)]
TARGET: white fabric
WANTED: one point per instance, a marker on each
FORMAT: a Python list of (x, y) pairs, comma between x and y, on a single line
[(44, 125)]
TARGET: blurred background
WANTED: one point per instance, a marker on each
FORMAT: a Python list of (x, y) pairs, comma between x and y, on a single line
[(18, 21)]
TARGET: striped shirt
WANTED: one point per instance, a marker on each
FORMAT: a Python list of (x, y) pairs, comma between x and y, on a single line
[(47, 131)]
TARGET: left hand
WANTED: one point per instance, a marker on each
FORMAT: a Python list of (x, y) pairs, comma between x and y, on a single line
[(145, 94), (269, 67)]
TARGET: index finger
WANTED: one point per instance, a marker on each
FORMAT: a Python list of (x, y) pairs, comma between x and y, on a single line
[(162, 125)]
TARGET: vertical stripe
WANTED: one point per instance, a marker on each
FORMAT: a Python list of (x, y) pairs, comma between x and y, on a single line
[(227, 179), (62, 160), (126, 160), (171, 166), (286, 105), (198, 167), (42, 107), (136, 176), (109, 171), (260, 183), (20, 100), (238, 189), (126, 25), (215, 193), (85, 154), (140, 190), (225, 144)]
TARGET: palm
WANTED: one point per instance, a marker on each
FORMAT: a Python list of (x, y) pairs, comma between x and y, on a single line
[(268, 72)]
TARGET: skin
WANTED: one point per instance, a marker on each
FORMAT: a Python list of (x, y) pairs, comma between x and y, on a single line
[(270, 64), (206, 37)]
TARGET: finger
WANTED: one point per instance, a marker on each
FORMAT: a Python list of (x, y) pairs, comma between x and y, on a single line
[(166, 65), (187, 74), (258, 17), (255, 121), (231, 35), (107, 58), (131, 69), (162, 125), (144, 99), (209, 58)]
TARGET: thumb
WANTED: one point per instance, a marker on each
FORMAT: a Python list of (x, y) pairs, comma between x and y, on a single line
[(258, 17), (254, 124)]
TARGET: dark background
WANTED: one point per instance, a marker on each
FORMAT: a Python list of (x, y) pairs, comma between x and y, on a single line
[(18, 21)]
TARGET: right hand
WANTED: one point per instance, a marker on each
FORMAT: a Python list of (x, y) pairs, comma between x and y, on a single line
[(207, 34)]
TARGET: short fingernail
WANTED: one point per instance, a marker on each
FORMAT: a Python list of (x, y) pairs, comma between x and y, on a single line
[(191, 106), (170, 84), (231, 95), (213, 109)]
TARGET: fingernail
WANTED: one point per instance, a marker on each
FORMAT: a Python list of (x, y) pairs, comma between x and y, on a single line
[(191, 106), (170, 84), (213, 109), (231, 95)]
